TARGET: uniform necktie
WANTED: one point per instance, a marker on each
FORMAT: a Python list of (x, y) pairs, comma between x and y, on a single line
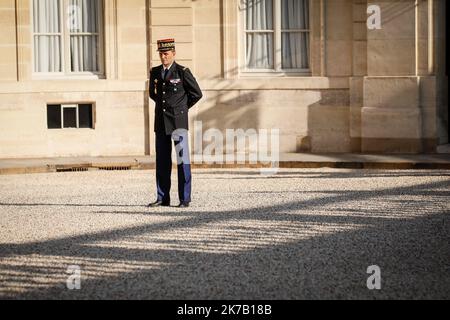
[(165, 73)]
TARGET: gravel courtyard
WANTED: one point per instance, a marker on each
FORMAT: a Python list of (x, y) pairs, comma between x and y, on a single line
[(300, 234)]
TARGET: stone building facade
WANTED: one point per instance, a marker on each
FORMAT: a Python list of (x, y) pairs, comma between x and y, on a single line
[(77, 85)]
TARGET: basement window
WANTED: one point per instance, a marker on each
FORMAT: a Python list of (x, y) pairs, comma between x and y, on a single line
[(67, 116)]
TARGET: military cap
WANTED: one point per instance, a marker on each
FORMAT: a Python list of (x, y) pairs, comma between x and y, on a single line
[(166, 44)]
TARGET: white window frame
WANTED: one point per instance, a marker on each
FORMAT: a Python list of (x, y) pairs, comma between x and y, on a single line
[(77, 115), (65, 47), (278, 69)]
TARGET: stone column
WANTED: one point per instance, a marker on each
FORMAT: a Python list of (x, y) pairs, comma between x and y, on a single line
[(8, 63), (391, 116), (24, 41), (359, 71)]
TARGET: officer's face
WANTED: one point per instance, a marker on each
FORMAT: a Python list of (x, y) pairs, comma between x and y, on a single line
[(167, 57)]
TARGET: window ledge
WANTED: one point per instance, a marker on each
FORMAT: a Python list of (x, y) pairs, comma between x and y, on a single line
[(276, 83), (73, 85), (286, 74), (59, 77), (69, 129)]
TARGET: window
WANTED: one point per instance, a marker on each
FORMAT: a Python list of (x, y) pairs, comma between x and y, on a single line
[(69, 116), (54, 116), (67, 37), (85, 116), (277, 35)]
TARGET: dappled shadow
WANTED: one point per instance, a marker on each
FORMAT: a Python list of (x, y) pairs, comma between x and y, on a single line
[(11, 204), (394, 10), (353, 174), (289, 250)]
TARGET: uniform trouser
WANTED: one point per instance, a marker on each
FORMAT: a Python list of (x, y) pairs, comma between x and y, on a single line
[(164, 166)]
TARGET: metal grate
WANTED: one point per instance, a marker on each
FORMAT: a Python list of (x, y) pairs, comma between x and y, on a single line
[(111, 168), (77, 169)]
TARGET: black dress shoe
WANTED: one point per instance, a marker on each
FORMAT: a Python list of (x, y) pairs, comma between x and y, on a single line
[(158, 203), (183, 205)]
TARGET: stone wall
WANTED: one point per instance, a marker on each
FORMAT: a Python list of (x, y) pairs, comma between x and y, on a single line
[(376, 91)]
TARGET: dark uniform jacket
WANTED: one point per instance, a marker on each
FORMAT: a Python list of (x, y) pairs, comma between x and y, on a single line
[(173, 96)]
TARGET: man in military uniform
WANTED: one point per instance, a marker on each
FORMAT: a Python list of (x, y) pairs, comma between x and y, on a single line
[(174, 90)]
